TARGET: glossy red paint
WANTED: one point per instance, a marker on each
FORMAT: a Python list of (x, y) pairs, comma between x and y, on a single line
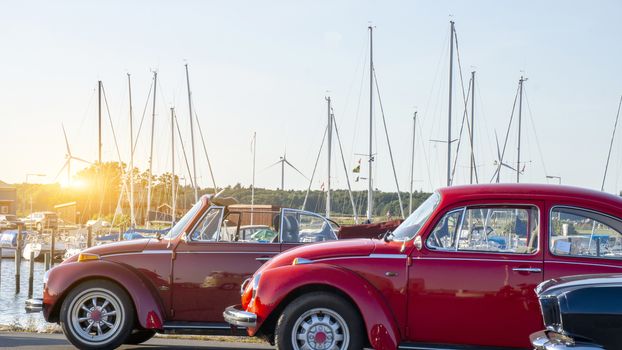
[(362, 293), (428, 296), (177, 279), (61, 280)]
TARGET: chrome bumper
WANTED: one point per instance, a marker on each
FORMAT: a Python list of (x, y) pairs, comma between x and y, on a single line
[(542, 341), (33, 305), (240, 318)]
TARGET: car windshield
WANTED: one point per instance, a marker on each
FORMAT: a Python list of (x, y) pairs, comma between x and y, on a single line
[(179, 226), (409, 228)]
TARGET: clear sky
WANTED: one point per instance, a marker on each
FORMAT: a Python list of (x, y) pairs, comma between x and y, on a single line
[(266, 66)]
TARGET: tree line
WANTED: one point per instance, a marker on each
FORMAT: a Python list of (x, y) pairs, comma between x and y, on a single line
[(98, 188)]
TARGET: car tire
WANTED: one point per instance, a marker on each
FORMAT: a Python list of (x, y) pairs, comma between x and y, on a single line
[(139, 336), (97, 314), (328, 318)]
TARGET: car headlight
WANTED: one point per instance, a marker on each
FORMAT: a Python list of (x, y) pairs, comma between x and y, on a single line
[(255, 284)]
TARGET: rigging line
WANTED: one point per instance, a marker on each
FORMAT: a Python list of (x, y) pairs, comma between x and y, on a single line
[(86, 111), (507, 134), (116, 144), (142, 119), (482, 113), (425, 155), (386, 132), (209, 164), (464, 117), (464, 98), (533, 126), (358, 104), (345, 170), (183, 149), (114, 134), (602, 186), (304, 203)]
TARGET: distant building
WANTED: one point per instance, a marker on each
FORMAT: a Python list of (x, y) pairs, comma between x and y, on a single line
[(8, 198)]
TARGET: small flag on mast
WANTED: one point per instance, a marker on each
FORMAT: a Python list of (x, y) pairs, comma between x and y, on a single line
[(357, 168)]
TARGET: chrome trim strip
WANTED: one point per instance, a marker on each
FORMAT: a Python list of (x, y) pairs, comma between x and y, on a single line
[(388, 256), (193, 327), (227, 252), (160, 251), (473, 259), (582, 263)]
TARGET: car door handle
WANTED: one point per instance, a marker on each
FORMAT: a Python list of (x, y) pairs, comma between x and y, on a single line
[(264, 258), (527, 269)]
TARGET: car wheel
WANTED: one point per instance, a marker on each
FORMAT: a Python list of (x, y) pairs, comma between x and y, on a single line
[(318, 321), (97, 314), (139, 336)]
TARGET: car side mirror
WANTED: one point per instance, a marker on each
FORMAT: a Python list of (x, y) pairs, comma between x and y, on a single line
[(418, 243), (184, 237)]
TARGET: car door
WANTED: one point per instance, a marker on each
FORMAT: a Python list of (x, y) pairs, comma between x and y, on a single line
[(472, 282), (209, 268), (582, 240)]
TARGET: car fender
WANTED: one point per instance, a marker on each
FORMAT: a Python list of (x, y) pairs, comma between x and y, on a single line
[(380, 324), (63, 278)]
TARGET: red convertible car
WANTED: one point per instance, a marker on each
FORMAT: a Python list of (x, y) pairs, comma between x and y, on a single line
[(459, 273), (181, 282)]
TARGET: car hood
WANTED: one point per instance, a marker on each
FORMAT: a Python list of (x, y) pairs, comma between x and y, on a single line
[(131, 246), (561, 285), (324, 250)]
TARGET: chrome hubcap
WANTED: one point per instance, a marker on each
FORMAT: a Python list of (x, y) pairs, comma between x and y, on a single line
[(96, 316), (320, 329)]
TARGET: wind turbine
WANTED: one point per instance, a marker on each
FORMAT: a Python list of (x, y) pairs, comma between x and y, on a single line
[(68, 158), (283, 160), (499, 162)]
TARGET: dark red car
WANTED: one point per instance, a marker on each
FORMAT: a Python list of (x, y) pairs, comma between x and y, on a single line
[(459, 273), (125, 292)]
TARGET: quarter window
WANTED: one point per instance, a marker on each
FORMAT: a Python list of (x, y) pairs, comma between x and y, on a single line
[(301, 227), (444, 234), (585, 233), (207, 229), (500, 229)]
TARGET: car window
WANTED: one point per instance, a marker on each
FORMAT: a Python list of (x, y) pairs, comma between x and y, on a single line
[(208, 227), (584, 233), (302, 227), (444, 234), (500, 229)]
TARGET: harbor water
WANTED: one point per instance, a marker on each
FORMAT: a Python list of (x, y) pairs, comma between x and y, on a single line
[(12, 311)]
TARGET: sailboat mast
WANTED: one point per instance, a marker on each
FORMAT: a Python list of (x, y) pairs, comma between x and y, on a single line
[(155, 84), (520, 111), (329, 150), (412, 165), (194, 163), (370, 190), (253, 185), (99, 127), (173, 182), (472, 126), (131, 175), (451, 70), (283, 173)]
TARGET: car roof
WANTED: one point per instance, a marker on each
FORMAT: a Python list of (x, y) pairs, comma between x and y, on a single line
[(540, 191)]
